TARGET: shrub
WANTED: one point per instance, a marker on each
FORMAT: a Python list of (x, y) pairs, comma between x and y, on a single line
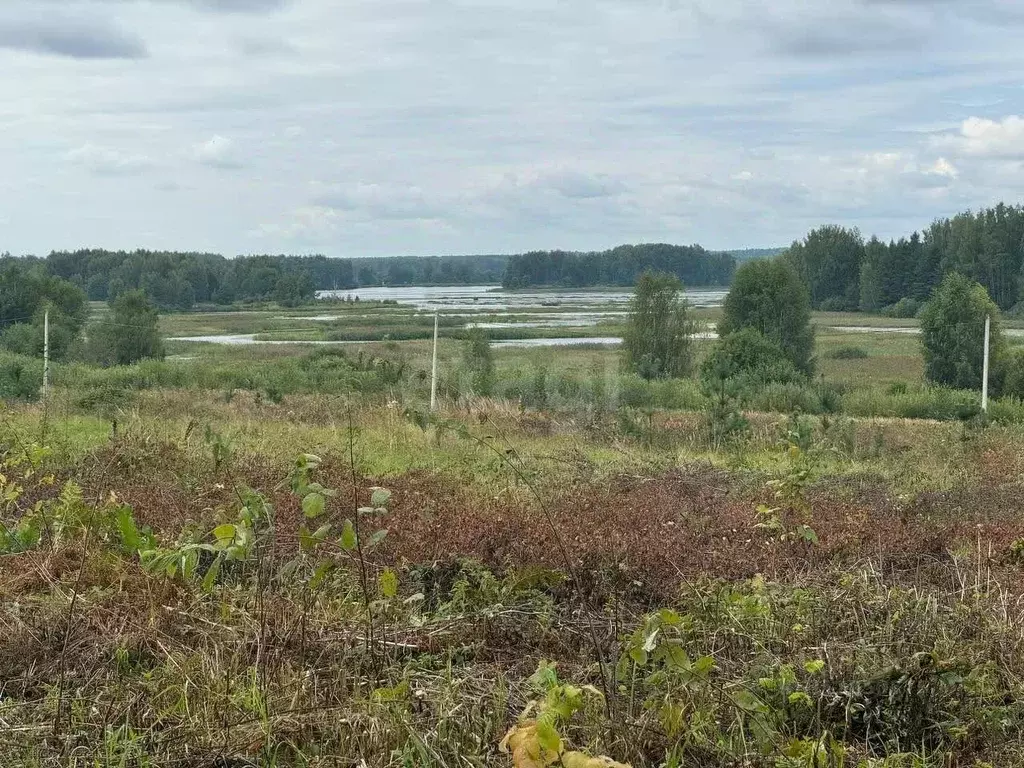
[(658, 339), (786, 398), (904, 308), (1013, 372), (847, 352), (478, 358), (838, 304), (20, 377), (748, 358), (952, 333), (130, 334)]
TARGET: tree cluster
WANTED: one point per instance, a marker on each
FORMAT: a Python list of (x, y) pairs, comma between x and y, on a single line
[(26, 292), (658, 342), (843, 272), (177, 280), (619, 266)]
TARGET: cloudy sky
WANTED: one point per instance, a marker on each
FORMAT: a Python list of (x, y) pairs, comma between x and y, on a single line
[(387, 127)]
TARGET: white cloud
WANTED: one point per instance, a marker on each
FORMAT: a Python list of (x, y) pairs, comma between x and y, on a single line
[(989, 138), (104, 161), (217, 152)]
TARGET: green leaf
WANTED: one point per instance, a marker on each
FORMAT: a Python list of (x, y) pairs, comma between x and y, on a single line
[(807, 534), (211, 574), (747, 701), (669, 617), (388, 581), (224, 534), (313, 505), (306, 542), (380, 497), (348, 536), (674, 656), (321, 573), (308, 461), (548, 737), (378, 537), (703, 665), (129, 531), (396, 693), (800, 698), (638, 654), (814, 667)]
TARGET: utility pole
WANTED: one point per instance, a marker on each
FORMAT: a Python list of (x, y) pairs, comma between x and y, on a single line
[(984, 367), (433, 371), (46, 354)]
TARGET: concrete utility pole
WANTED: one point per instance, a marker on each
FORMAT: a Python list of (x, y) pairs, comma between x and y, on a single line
[(46, 354), (984, 367), (433, 371)]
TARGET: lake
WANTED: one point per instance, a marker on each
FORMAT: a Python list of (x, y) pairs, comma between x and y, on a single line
[(494, 298)]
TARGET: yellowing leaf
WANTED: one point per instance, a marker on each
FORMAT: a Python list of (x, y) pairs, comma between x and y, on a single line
[(583, 760), (548, 737), (814, 667), (224, 534), (348, 536), (521, 741), (388, 583)]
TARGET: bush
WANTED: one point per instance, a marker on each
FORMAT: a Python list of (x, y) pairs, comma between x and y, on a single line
[(838, 304), (786, 398), (904, 308), (939, 403), (658, 341), (21, 378), (952, 333), (750, 358), (1013, 372), (478, 359), (847, 353), (130, 333)]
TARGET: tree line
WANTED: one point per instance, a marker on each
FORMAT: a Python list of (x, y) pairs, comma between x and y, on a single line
[(846, 273), (181, 280), (127, 332), (620, 266)]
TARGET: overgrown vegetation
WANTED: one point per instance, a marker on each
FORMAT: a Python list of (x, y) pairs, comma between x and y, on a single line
[(184, 600)]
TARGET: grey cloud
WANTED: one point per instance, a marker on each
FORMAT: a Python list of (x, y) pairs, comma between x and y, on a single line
[(393, 202), (71, 38), (844, 33), (236, 6), (583, 186)]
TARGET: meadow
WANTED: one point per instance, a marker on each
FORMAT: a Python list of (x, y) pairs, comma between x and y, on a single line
[(275, 555)]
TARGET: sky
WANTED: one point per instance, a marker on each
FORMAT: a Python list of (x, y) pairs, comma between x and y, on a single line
[(422, 127)]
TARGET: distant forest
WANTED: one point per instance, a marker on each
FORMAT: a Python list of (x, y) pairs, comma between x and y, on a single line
[(619, 266), (842, 270), (175, 280), (749, 254), (845, 272), (182, 280)]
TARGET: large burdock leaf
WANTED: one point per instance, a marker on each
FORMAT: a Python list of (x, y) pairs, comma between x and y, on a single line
[(313, 505)]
